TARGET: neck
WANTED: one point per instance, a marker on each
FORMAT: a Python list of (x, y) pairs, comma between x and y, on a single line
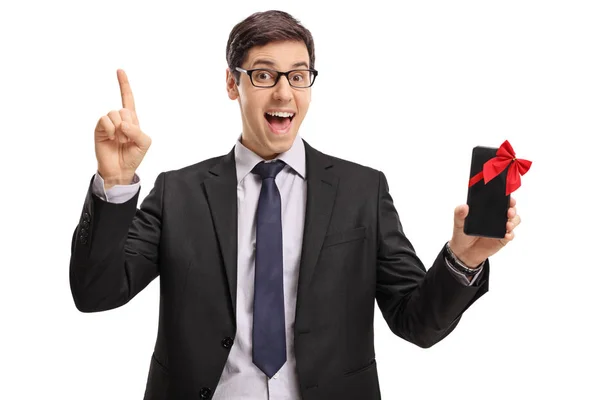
[(255, 148)]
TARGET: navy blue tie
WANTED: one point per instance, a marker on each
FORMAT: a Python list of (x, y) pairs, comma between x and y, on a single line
[(268, 332)]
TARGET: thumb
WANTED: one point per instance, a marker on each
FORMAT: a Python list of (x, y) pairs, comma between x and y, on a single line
[(460, 213), (135, 134)]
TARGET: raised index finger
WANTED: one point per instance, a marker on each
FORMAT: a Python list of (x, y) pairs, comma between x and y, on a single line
[(126, 93)]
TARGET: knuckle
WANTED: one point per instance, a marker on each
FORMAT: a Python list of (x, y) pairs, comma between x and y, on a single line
[(107, 124), (114, 117)]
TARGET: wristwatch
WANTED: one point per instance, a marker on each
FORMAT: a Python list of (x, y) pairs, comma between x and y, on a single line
[(459, 265)]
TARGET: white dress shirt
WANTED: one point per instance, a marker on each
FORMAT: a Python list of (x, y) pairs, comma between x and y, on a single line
[(241, 379)]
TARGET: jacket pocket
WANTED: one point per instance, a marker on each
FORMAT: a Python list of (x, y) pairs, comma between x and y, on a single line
[(364, 368), (345, 236)]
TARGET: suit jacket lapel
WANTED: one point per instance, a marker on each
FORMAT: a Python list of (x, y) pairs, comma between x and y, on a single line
[(321, 191), (221, 191)]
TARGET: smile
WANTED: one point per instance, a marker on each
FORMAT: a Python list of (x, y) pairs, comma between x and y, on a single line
[(279, 121)]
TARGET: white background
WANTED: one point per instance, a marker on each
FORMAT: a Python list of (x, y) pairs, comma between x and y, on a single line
[(408, 88)]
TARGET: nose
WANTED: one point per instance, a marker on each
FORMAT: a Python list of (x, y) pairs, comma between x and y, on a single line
[(283, 90)]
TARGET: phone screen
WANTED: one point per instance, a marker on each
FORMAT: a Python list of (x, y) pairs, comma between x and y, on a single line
[(488, 203)]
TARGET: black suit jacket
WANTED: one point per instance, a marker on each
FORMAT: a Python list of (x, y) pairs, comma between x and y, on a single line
[(354, 253)]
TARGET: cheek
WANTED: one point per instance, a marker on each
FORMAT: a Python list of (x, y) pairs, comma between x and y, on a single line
[(252, 106), (250, 112), (303, 104)]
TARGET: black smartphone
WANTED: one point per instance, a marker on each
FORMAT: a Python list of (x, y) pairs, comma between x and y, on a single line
[(488, 203)]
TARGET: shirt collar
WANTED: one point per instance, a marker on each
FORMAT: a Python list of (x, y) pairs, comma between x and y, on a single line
[(246, 159)]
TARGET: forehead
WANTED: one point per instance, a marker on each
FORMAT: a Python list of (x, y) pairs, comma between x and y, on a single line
[(279, 55)]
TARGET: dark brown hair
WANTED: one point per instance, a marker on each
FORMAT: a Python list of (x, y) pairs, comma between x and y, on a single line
[(262, 28)]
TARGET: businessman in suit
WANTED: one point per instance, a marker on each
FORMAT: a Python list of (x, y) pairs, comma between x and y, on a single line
[(271, 257)]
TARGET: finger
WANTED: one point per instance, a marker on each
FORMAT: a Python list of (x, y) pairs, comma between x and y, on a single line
[(514, 222), (512, 212), (105, 124), (135, 118), (507, 238), (460, 213), (126, 93), (115, 118), (126, 115), (513, 202), (135, 134)]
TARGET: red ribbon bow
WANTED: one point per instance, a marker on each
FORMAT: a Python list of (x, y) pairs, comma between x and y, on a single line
[(505, 156)]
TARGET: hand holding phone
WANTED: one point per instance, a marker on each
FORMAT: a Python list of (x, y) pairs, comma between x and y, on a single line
[(488, 203)]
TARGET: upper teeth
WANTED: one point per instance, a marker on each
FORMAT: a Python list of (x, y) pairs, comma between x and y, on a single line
[(280, 114)]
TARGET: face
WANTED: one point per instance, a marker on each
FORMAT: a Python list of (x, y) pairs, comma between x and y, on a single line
[(263, 133)]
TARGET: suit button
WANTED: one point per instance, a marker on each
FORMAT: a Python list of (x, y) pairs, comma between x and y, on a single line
[(83, 233), (83, 240), (227, 342), (86, 217), (85, 224), (205, 393)]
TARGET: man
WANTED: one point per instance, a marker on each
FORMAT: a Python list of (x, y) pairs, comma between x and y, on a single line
[(270, 257)]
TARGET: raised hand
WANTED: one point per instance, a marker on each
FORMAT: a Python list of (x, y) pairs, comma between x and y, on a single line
[(120, 144)]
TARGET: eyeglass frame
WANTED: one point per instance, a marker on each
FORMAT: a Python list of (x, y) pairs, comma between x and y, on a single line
[(279, 73)]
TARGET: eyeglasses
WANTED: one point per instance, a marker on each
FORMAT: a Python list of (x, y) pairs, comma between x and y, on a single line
[(266, 78)]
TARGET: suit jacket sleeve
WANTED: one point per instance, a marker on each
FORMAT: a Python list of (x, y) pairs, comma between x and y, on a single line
[(419, 305), (114, 251)]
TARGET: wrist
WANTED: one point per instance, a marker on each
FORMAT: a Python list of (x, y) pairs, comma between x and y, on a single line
[(108, 183), (111, 181), (460, 256), (466, 268)]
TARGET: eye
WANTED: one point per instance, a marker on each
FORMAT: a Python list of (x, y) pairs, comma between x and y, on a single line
[(298, 76), (263, 76)]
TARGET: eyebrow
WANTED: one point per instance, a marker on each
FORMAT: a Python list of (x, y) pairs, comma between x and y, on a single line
[(272, 64)]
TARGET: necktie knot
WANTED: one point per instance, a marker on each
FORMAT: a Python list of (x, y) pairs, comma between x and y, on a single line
[(268, 169)]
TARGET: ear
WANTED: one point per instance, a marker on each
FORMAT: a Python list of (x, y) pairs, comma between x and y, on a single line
[(232, 89)]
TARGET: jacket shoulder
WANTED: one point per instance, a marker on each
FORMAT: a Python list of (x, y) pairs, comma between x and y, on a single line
[(345, 168), (199, 170)]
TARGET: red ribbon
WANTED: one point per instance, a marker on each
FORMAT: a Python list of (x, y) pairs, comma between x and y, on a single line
[(505, 156)]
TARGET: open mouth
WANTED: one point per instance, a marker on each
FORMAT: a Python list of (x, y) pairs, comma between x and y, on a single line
[(278, 121)]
